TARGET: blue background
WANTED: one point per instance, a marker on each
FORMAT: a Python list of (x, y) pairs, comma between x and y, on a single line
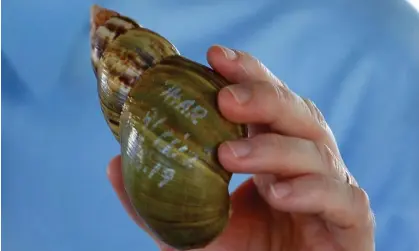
[(357, 59)]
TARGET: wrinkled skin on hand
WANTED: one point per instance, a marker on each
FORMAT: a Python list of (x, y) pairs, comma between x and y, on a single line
[(301, 196)]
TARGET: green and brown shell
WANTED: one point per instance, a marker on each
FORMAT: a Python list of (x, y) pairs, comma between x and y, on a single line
[(162, 108)]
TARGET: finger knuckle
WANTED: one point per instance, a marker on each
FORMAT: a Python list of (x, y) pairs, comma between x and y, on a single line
[(318, 117), (314, 110), (253, 62), (256, 63), (329, 160), (270, 99), (362, 205), (260, 69), (282, 93), (363, 199)]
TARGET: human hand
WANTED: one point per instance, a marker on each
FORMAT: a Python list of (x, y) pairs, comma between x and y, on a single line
[(301, 196)]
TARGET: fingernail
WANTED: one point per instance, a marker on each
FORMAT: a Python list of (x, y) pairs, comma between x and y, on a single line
[(280, 190), (239, 148), (240, 92), (228, 53)]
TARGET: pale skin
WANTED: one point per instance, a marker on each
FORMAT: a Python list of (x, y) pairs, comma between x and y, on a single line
[(301, 196)]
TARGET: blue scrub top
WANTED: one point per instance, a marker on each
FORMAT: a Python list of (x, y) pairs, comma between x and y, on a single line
[(358, 60)]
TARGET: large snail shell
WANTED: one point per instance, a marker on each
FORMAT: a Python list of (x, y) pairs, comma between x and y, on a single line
[(169, 131)]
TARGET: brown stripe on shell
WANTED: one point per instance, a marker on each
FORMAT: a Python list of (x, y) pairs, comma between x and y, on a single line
[(127, 80), (109, 31), (127, 57), (111, 118), (132, 57), (114, 122), (126, 66), (129, 21), (148, 59)]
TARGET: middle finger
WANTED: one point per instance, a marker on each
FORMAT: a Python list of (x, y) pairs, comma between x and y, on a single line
[(276, 154)]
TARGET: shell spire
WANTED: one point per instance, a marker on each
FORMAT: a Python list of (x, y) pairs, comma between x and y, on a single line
[(105, 26), (98, 17)]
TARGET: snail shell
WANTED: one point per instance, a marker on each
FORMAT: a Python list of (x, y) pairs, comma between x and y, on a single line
[(166, 120)]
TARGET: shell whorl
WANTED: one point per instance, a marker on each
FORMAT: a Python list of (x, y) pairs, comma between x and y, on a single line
[(121, 50)]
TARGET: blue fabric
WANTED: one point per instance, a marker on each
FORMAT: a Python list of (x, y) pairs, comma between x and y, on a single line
[(358, 60)]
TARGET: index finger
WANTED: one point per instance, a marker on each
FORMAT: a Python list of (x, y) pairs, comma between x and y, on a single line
[(238, 66)]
